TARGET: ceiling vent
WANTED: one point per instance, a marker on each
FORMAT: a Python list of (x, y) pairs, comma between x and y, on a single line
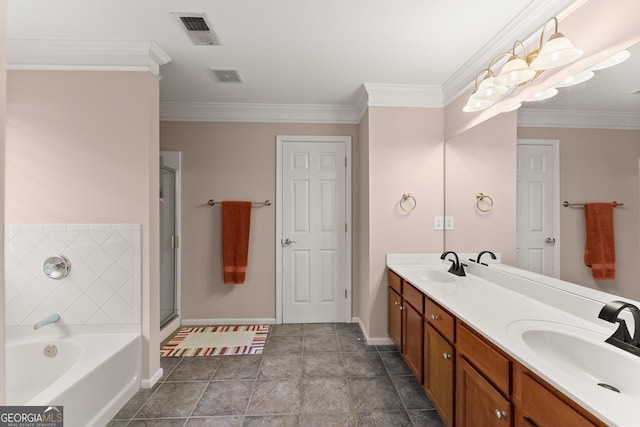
[(197, 28), (227, 76)]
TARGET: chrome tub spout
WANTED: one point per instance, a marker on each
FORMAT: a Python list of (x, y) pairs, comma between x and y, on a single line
[(52, 318)]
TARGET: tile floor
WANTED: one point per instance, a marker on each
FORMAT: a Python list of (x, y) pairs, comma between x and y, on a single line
[(308, 375)]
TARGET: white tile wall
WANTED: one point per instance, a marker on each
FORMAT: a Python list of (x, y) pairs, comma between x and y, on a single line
[(102, 287)]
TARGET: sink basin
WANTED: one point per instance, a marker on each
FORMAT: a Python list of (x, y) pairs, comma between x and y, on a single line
[(437, 276), (582, 353)]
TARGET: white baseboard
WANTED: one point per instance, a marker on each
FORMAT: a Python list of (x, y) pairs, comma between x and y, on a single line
[(150, 382), (370, 340), (204, 322)]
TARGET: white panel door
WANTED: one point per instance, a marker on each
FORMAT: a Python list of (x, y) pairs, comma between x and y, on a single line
[(313, 232), (536, 239)]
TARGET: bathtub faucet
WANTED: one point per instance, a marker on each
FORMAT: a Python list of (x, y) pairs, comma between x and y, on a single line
[(52, 318)]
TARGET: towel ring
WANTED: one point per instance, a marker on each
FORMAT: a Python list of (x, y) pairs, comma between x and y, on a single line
[(479, 198), (405, 198)]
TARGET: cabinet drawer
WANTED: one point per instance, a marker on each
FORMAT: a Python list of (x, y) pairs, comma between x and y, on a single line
[(394, 281), (487, 359), (413, 297), (440, 319)]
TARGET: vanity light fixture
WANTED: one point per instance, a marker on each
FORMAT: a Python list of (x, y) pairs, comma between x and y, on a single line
[(542, 95), (581, 77), (616, 59), (520, 70)]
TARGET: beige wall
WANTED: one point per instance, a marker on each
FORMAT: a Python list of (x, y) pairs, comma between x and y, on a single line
[(405, 155), (231, 161), (598, 165), (483, 160), (3, 112), (82, 147)]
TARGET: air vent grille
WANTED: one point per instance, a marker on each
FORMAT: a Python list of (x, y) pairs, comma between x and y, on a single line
[(227, 75), (197, 28), (194, 23)]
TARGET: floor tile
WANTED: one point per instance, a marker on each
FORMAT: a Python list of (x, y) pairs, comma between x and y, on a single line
[(348, 329), (284, 345), (199, 368), (281, 366), (225, 398), (325, 395), (411, 392), (319, 329), (131, 408), (320, 343), (168, 364), (322, 365), (428, 418), (354, 343), (167, 422), (347, 419), (239, 367), (374, 394), (286, 329), (272, 421), (375, 419), (363, 365), (172, 400), (281, 396), (395, 363), (234, 421)]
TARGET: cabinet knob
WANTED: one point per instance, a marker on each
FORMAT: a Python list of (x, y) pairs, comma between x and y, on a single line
[(446, 356), (396, 302), (434, 317), (401, 308), (500, 414)]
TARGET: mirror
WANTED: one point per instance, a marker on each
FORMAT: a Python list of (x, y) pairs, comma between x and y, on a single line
[(595, 131)]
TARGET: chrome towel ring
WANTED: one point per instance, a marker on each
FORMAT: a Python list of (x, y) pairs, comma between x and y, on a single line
[(408, 202), (488, 202)]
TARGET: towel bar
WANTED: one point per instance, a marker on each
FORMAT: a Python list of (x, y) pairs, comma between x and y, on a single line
[(212, 202), (581, 205)]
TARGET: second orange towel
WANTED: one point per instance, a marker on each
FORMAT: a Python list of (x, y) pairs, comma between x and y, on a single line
[(600, 248)]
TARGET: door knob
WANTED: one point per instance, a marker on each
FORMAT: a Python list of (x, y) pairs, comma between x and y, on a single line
[(288, 241), (550, 240)]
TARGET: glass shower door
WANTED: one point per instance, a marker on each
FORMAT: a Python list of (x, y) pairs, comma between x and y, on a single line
[(168, 291)]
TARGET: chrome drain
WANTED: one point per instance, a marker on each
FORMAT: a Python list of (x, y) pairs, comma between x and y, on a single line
[(50, 350), (609, 387)]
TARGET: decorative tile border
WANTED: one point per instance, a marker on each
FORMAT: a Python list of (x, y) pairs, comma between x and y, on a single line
[(102, 287)]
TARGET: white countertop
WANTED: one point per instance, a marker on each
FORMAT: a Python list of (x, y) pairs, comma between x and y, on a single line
[(500, 305)]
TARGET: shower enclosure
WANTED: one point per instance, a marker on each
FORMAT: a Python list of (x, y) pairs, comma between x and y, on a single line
[(168, 245)]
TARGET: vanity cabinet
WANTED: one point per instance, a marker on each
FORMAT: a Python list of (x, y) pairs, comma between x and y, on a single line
[(405, 316), (470, 381)]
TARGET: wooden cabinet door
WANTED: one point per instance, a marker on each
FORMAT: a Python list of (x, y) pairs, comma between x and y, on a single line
[(540, 407), (478, 403), (439, 373), (394, 313), (412, 340)]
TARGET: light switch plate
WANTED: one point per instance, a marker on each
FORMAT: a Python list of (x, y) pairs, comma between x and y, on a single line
[(438, 223), (448, 223)]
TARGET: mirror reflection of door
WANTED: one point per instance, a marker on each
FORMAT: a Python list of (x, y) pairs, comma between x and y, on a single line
[(168, 288), (537, 245)]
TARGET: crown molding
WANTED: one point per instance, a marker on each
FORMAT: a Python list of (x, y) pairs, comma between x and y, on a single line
[(23, 54), (276, 113), (526, 26), (577, 119), (401, 95)]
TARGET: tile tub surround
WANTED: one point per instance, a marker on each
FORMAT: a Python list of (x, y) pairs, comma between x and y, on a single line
[(309, 374), (103, 286)]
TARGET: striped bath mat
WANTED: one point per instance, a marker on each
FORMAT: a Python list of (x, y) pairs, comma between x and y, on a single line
[(216, 341)]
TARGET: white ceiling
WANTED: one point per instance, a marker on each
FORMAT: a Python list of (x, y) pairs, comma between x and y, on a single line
[(297, 52)]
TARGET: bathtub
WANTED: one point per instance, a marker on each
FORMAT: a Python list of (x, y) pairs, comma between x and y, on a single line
[(93, 374)]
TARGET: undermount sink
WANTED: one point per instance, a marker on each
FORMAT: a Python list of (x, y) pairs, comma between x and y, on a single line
[(437, 276), (581, 353)]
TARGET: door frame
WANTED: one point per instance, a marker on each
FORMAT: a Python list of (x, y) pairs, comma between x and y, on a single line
[(555, 145), (280, 140)]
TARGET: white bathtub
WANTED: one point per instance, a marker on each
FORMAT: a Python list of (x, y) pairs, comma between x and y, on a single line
[(92, 376)]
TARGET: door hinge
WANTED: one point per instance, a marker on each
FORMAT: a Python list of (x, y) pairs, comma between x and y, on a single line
[(345, 162), (345, 227), (345, 293)]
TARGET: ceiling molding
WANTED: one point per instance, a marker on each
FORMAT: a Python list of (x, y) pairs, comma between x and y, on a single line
[(401, 95), (30, 54), (578, 119), (263, 113), (525, 26)]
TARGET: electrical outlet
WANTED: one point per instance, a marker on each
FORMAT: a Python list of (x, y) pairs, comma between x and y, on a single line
[(448, 223), (438, 223)]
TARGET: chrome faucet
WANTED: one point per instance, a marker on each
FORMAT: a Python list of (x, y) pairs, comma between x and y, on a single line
[(457, 267), (479, 258), (621, 337), (52, 318)]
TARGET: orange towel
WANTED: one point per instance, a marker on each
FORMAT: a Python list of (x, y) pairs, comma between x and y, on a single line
[(236, 222), (599, 248)]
